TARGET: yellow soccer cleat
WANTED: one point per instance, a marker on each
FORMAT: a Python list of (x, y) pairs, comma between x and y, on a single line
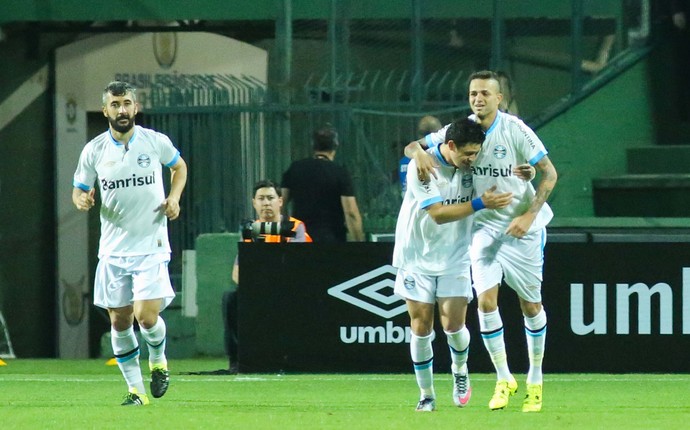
[(533, 398), (504, 389)]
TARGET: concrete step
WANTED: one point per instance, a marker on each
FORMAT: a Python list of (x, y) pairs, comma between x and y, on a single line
[(661, 159), (642, 195)]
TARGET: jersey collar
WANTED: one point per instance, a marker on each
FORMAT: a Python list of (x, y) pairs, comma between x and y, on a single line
[(437, 153), (499, 116), (116, 142)]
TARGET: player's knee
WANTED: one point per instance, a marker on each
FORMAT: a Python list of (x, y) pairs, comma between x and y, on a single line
[(421, 327), (530, 309), (487, 303), (147, 319)]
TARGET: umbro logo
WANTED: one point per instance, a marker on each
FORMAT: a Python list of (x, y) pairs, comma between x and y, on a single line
[(373, 292)]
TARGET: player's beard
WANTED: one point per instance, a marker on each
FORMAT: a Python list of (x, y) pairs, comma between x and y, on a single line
[(121, 128)]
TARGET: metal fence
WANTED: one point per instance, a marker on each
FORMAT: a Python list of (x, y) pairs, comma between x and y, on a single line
[(373, 79)]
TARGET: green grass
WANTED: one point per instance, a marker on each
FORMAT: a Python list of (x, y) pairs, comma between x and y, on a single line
[(85, 394)]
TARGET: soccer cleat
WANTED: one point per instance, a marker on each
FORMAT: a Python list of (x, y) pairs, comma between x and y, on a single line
[(462, 391), (426, 404), (160, 379), (532, 401), (504, 389), (133, 398)]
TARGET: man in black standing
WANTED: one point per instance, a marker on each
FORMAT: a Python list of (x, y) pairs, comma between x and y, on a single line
[(322, 194)]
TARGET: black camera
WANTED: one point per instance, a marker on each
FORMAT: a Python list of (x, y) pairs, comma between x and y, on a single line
[(256, 231)]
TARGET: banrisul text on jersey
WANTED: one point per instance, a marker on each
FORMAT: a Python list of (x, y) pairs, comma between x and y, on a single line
[(134, 181)]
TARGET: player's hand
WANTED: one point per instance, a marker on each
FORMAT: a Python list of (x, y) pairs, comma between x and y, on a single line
[(86, 200), (520, 225), (526, 172), (493, 200), (425, 165), (171, 206)]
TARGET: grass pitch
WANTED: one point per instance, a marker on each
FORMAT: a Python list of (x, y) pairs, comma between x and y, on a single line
[(85, 394)]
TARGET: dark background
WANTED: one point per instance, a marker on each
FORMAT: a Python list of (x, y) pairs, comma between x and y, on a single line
[(288, 321)]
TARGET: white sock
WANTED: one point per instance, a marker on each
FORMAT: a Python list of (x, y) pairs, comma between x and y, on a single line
[(535, 331), (126, 350), (459, 345), (422, 355), (155, 340), (491, 327)]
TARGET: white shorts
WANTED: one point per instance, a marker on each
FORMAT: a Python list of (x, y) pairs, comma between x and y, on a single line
[(496, 255), (427, 288), (120, 281)]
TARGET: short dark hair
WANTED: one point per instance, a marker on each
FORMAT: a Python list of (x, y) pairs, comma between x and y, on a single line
[(267, 183), (484, 74), (465, 131), (325, 139), (119, 88)]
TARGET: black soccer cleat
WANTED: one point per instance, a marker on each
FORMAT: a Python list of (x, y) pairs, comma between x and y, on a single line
[(160, 379)]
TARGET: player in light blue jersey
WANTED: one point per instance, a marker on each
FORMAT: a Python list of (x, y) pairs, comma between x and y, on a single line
[(432, 238), (507, 244), (132, 280)]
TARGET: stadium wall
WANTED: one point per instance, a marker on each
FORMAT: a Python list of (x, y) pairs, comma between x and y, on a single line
[(591, 138)]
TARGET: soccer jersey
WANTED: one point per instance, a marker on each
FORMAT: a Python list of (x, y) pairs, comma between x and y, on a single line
[(130, 183), (421, 245), (509, 143)]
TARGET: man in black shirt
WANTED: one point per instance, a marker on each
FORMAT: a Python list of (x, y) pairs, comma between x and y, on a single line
[(321, 193)]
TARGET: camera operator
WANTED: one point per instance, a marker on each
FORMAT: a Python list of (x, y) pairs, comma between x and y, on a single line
[(269, 227)]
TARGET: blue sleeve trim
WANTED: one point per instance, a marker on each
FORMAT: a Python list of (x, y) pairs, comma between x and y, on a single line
[(429, 142), (174, 160), (536, 158), (81, 186), (430, 201)]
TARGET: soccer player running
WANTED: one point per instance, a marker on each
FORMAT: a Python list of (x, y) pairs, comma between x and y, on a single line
[(132, 279), (507, 244), (432, 238)]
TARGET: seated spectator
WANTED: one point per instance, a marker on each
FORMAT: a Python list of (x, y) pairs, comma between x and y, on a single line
[(268, 204)]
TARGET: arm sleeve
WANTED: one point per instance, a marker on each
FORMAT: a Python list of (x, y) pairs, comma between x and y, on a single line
[(85, 175), (426, 193)]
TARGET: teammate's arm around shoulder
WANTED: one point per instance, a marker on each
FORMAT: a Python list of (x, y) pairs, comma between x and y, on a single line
[(442, 214), (416, 150)]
